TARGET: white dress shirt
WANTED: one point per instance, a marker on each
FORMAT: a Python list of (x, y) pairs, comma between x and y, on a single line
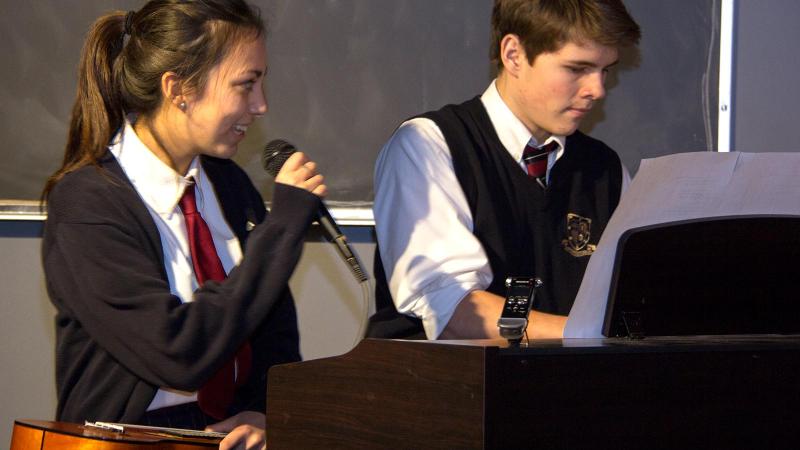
[(160, 188), (423, 221)]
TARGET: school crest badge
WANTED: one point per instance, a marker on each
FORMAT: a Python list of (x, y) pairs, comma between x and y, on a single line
[(579, 231)]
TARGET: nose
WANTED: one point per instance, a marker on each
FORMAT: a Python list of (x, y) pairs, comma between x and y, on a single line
[(258, 105), (594, 86)]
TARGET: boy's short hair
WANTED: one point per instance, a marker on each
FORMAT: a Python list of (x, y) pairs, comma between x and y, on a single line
[(546, 25)]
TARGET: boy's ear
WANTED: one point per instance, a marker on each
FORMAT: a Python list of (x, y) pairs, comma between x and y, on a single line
[(512, 54)]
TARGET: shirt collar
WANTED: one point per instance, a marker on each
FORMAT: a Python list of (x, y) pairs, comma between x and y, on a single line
[(157, 183), (513, 134)]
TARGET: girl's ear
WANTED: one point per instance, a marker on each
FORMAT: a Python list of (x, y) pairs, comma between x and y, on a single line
[(172, 90)]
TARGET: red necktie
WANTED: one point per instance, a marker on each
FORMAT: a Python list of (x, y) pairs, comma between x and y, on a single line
[(535, 158), (216, 395)]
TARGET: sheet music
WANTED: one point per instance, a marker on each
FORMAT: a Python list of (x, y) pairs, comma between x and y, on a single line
[(685, 186), (178, 432)]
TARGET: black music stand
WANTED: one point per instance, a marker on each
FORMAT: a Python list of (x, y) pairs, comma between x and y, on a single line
[(726, 275)]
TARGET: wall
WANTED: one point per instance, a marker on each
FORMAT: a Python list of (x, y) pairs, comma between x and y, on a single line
[(27, 334), (766, 67)]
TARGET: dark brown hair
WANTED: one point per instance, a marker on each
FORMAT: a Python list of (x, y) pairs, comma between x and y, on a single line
[(546, 25), (125, 55)]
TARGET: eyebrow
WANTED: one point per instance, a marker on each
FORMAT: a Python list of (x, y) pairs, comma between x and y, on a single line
[(253, 73), (580, 62)]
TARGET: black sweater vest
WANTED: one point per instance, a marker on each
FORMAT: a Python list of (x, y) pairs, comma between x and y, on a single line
[(523, 228)]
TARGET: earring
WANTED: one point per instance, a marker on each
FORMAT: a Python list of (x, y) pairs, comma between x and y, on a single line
[(182, 106)]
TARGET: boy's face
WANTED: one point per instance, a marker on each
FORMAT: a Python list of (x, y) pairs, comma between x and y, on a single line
[(554, 93)]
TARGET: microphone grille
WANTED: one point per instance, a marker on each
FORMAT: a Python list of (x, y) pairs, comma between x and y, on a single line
[(275, 155)]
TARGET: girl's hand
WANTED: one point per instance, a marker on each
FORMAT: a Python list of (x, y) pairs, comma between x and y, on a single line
[(246, 431), (301, 172)]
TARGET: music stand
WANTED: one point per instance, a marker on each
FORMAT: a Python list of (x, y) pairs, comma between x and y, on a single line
[(724, 275)]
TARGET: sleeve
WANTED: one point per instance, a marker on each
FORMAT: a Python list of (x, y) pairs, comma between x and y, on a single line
[(101, 271), (626, 177), (424, 227)]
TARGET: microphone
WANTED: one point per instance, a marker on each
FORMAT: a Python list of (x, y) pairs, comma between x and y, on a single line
[(275, 155)]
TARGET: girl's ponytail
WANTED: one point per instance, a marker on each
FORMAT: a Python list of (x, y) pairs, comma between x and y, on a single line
[(98, 110)]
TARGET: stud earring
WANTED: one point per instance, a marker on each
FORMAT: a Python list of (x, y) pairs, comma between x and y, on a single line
[(182, 106)]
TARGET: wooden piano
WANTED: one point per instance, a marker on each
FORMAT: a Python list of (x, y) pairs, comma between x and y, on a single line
[(719, 391)]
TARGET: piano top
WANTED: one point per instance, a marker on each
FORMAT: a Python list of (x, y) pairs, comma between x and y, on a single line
[(626, 345)]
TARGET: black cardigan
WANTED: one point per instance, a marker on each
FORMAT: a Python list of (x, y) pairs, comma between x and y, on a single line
[(121, 334)]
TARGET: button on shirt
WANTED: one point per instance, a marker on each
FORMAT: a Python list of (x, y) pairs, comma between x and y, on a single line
[(160, 188), (423, 220)]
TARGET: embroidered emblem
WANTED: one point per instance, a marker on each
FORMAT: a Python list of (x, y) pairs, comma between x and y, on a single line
[(249, 226), (579, 231)]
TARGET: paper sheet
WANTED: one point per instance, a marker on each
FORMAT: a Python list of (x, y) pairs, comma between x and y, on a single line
[(685, 186)]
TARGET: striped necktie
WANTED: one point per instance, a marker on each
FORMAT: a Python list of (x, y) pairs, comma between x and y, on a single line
[(535, 159)]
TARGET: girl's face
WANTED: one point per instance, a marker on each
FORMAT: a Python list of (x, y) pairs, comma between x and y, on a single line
[(233, 97)]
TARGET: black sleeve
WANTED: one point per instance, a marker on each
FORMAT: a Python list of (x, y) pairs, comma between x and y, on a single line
[(100, 271)]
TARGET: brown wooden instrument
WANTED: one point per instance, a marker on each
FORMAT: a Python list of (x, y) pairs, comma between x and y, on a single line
[(46, 435)]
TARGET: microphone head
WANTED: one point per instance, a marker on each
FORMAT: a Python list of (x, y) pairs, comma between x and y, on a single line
[(275, 155)]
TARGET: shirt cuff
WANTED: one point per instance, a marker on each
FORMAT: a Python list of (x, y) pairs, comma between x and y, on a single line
[(436, 307)]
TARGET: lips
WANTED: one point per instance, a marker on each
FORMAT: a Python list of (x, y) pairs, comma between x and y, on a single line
[(579, 112), (240, 129)]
